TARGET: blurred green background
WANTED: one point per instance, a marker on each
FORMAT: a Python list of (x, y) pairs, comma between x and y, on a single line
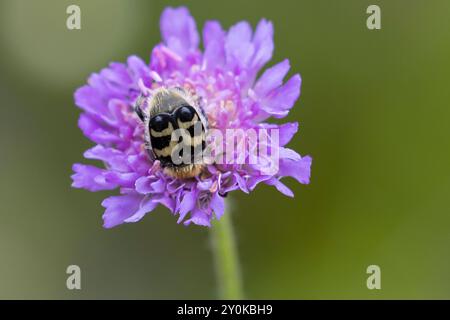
[(374, 114)]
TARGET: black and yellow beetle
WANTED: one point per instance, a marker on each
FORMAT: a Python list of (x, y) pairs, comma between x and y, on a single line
[(175, 129)]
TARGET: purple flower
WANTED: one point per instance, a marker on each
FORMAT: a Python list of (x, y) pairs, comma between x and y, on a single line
[(224, 75)]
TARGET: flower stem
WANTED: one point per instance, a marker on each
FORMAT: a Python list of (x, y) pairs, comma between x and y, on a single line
[(226, 259)]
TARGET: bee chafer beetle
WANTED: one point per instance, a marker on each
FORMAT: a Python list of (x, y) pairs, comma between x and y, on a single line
[(175, 130)]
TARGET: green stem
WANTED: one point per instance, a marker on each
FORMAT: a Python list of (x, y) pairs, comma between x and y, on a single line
[(226, 259)]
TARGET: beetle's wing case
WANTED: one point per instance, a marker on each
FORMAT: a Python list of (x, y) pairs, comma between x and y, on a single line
[(161, 100), (196, 102), (169, 99)]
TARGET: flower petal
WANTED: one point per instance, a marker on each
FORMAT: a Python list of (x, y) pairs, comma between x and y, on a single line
[(286, 153), (280, 187), (281, 100), (214, 42), (187, 204), (143, 185), (166, 201), (120, 208), (218, 205), (138, 70), (199, 217), (98, 135), (91, 178), (90, 100), (272, 78), (238, 46), (179, 30), (146, 205), (241, 183), (263, 43), (114, 158), (299, 170), (287, 132), (255, 180)]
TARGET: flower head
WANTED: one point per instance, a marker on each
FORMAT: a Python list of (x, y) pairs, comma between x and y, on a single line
[(224, 76)]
